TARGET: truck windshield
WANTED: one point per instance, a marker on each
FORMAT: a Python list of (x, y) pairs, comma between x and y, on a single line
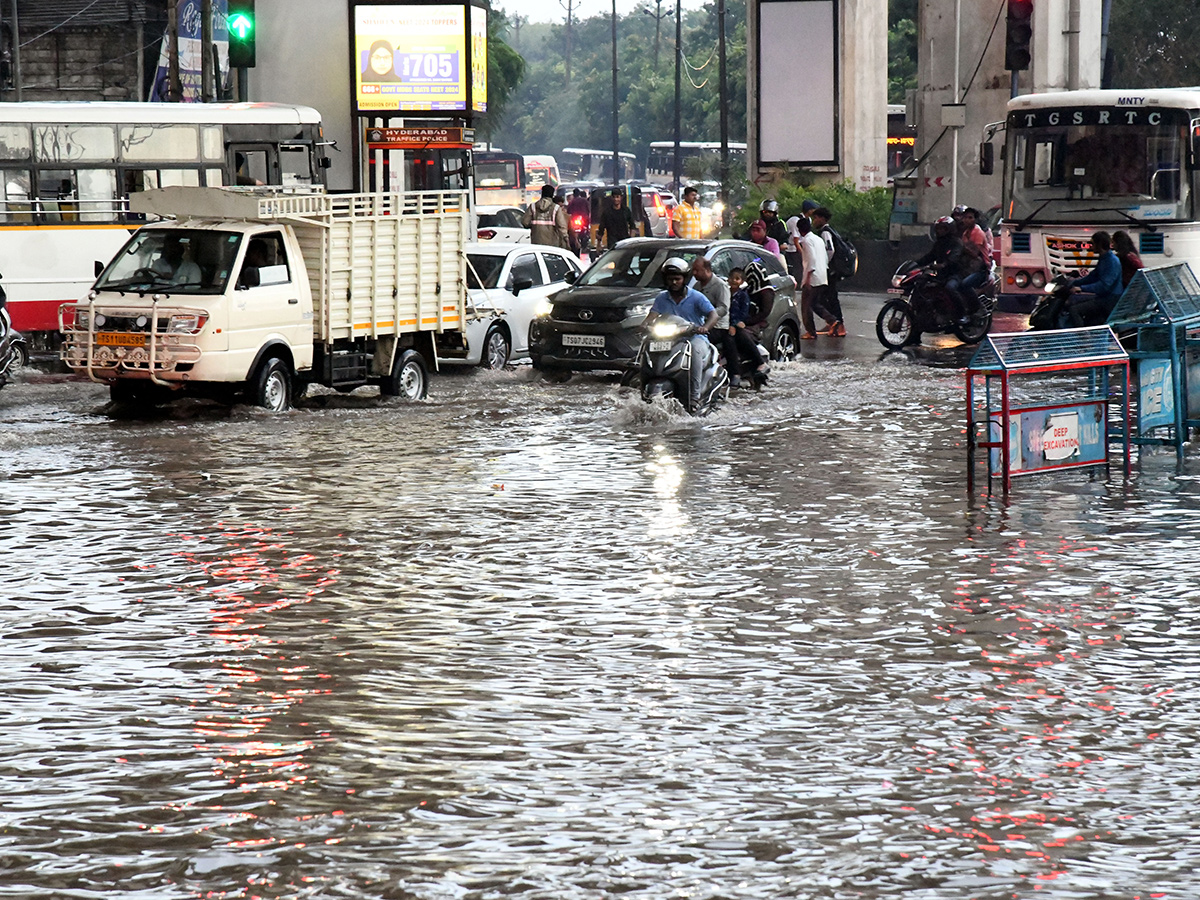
[(1097, 165), (173, 260)]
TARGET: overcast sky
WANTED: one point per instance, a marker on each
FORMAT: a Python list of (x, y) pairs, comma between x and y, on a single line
[(554, 11)]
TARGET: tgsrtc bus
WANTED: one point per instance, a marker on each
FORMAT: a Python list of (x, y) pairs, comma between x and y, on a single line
[(67, 170), (499, 178), (1077, 162), (539, 170), (660, 160), (579, 164)]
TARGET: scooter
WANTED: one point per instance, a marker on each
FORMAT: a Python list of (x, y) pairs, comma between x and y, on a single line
[(1047, 312), (665, 365), (14, 352), (927, 305), (580, 236)]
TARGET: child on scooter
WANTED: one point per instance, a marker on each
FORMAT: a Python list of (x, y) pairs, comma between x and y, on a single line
[(744, 344)]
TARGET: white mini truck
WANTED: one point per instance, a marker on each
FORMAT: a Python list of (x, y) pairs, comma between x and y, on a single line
[(263, 292)]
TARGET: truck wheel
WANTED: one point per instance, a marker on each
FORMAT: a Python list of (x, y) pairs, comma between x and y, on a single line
[(272, 387), (409, 379)]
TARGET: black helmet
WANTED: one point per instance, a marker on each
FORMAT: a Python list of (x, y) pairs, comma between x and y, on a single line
[(757, 276), (769, 206)]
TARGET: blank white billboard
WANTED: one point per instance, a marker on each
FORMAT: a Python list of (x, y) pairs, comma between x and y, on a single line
[(797, 82)]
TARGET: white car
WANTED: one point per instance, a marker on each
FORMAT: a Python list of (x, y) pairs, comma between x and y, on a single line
[(501, 223), (507, 285)]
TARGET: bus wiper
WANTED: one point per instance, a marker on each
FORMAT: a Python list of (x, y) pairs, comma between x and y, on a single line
[(1117, 209), (1033, 215)]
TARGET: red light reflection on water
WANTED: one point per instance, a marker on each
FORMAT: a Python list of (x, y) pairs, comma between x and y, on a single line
[(1027, 716)]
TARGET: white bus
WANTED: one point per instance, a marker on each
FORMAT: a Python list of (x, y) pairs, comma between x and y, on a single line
[(539, 170), (1077, 162), (67, 170), (579, 164), (660, 160)]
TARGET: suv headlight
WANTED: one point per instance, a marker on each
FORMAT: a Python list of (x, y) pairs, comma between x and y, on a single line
[(543, 308), (640, 311)]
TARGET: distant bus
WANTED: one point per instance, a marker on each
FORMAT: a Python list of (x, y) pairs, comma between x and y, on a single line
[(67, 169), (499, 178), (539, 170), (660, 160), (901, 141), (578, 164)]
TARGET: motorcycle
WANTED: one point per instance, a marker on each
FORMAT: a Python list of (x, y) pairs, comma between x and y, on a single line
[(580, 236), (927, 305), (1047, 312), (14, 352), (665, 364)]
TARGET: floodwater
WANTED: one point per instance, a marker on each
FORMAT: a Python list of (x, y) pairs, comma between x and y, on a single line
[(535, 641)]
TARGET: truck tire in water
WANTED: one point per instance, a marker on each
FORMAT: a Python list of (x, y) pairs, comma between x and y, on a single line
[(895, 326), (496, 349), (409, 379), (272, 386)]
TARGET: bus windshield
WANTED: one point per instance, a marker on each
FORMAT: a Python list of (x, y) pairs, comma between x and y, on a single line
[(173, 260), (1096, 165)]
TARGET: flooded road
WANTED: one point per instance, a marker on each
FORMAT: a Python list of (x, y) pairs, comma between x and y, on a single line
[(528, 640)]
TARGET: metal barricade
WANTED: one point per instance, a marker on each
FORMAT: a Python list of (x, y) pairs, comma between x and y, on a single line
[(1060, 420), (1162, 306)]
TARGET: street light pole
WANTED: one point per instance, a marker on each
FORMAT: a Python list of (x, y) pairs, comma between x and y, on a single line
[(678, 167), (724, 97), (615, 132)]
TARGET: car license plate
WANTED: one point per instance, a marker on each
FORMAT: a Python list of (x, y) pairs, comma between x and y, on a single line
[(660, 346), (114, 339), (583, 340)]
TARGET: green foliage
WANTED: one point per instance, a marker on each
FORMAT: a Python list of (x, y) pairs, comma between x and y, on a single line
[(506, 68), (902, 59), (1154, 44), (547, 114), (857, 215)]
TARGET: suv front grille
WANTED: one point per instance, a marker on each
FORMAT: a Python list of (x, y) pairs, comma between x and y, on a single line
[(603, 315)]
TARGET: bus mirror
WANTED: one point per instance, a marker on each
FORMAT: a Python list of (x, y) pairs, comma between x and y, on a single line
[(326, 162), (987, 160)]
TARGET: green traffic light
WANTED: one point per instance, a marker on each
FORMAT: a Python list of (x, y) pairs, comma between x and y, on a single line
[(240, 25)]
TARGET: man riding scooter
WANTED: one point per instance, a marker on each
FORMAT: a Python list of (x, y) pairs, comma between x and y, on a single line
[(691, 306)]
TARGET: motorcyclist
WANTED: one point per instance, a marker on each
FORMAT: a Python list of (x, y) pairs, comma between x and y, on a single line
[(945, 257), (768, 211), (579, 214), (1094, 295), (691, 306)]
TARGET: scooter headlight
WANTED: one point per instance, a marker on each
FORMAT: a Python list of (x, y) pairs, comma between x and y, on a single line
[(897, 280), (664, 330)]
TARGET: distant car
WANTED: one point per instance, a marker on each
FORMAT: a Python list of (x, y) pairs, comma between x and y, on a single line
[(658, 205), (501, 223), (597, 323), (507, 284), (567, 188)]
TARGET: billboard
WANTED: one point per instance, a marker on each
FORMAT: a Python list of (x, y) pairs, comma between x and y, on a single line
[(797, 82), (420, 58), (191, 49)]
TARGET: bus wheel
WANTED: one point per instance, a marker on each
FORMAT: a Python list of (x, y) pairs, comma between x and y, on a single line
[(409, 379), (272, 387)]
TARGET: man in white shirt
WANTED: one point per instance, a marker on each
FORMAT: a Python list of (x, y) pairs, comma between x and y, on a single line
[(814, 281)]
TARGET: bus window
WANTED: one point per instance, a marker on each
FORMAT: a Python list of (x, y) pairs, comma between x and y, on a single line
[(295, 167), (213, 142), (159, 142), (97, 195), (214, 177), (15, 142), (252, 166), (15, 184), (179, 177), (454, 170), (74, 143), (56, 193)]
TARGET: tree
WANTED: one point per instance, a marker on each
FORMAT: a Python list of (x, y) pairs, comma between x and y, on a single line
[(1154, 44), (902, 49)]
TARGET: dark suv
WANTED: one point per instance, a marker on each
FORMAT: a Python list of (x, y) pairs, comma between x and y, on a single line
[(596, 324)]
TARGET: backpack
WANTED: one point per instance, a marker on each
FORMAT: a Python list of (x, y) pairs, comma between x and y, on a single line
[(844, 262)]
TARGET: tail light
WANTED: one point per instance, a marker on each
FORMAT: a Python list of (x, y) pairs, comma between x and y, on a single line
[(577, 223), (486, 234), (659, 206)]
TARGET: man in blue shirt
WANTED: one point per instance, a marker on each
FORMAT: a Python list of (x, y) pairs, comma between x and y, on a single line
[(1094, 296), (691, 306)]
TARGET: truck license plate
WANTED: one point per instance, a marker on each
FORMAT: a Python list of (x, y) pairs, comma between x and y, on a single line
[(114, 339), (583, 340)]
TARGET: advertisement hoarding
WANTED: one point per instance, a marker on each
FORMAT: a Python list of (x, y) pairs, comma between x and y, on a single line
[(420, 58)]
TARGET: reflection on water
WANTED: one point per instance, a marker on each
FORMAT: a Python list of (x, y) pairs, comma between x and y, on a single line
[(540, 641)]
